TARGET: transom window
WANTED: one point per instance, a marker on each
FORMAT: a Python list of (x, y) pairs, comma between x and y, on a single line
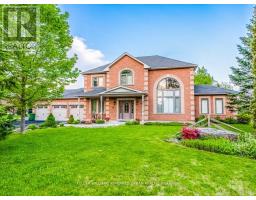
[(168, 96), (126, 77), (97, 81)]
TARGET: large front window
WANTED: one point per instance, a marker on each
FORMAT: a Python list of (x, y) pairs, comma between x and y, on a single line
[(168, 96), (126, 77)]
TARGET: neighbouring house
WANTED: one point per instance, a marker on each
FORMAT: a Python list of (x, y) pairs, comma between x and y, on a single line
[(148, 88)]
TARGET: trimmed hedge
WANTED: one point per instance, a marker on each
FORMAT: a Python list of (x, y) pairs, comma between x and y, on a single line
[(99, 121), (132, 122), (245, 146)]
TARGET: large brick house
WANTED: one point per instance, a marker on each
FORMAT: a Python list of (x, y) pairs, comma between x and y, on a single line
[(148, 88)]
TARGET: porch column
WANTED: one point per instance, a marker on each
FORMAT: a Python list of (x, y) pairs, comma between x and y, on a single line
[(101, 107), (142, 109), (79, 109)]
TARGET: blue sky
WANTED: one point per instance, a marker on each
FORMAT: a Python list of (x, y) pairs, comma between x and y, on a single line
[(202, 34)]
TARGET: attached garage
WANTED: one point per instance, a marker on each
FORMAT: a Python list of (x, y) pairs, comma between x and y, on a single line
[(41, 112), (77, 111), (60, 112)]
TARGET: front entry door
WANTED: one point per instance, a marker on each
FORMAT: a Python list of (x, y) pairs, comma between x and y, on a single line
[(126, 109)]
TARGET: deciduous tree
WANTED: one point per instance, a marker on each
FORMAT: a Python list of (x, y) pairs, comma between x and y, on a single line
[(42, 73), (202, 77)]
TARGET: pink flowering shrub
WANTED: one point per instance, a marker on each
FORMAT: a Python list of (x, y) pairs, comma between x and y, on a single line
[(190, 133)]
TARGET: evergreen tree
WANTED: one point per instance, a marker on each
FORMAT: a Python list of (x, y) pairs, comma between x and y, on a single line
[(253, 50), (242, 74)]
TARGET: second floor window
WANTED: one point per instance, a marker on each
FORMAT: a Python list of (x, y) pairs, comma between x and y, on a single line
[(97, 81), (126, 77)]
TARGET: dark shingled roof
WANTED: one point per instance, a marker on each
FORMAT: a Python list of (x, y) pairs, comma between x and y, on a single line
[(73, 93), (212, 90), (158, 62), (199, 90), (154, 62), (94, 92)]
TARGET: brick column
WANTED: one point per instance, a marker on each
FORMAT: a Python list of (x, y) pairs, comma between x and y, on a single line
[(192, 95), (146, 97), (107, 107), (85, 83), (107, 81)]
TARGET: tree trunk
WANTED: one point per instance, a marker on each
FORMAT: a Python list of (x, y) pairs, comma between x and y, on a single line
[(22, 121)]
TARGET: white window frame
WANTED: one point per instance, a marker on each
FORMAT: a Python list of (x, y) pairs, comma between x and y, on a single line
[(215, 105), (201, 107), (172, 97), (120, 77), (98, 82)]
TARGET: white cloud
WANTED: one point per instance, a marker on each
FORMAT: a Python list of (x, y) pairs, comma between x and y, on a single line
[(87, 59)]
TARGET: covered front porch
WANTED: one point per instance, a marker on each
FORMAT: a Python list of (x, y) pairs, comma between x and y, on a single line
[(121, 104)]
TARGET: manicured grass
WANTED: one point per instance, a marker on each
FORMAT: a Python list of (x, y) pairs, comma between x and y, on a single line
[(245, 127), (125, 160)]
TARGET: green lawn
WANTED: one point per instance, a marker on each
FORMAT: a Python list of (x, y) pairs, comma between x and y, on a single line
[(126, 160)]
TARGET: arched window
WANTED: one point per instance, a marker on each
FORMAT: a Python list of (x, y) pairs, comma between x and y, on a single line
[(126, 77), (168, 96)]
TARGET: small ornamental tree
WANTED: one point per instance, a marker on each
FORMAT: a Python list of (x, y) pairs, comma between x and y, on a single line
[(71, 119), (50, 121)]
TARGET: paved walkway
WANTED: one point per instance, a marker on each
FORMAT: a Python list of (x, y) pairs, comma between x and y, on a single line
[(107, 124)]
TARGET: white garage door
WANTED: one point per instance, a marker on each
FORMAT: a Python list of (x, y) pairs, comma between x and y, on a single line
[(42, 112), (77, 112), (60, 112)]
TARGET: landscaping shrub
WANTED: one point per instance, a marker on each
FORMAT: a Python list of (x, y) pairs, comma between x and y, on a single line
[(99, 121), (71, 119), (229, 120), (61, 125), (132, 122), (49, 122), (244, 118), (76, 121), (6, 123), (163, 123), (32, 126), (190, 133)]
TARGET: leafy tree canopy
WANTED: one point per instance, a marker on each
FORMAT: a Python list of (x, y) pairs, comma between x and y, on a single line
[(202, 77), (42, 72)]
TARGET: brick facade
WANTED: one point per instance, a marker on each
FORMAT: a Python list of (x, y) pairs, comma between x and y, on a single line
[(144, 80)]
